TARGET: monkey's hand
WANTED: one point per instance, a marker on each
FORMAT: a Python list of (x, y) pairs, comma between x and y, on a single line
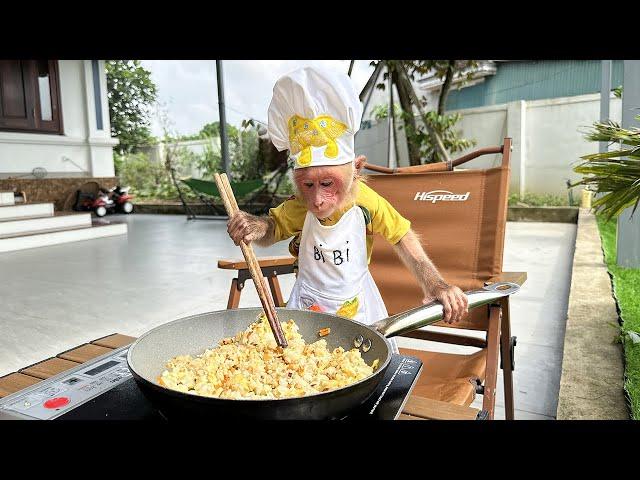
[(247, 227), (454, 302)]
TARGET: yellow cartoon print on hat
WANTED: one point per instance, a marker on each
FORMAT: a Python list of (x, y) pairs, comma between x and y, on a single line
[(305, 133), (349, 308)]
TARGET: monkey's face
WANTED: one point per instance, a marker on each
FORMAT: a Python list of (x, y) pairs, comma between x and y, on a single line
[(324, 189)]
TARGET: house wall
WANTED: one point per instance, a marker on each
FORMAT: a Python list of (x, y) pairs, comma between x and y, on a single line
[(535, 80), (83, 150)]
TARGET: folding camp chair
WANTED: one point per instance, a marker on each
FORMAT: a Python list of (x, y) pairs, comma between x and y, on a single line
[(460, 216)]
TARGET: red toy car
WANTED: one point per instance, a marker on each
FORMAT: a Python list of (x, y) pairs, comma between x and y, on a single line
[(121, 199), (116, 199)]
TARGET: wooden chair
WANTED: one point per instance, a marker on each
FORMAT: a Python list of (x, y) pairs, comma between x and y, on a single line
[(271, 267)]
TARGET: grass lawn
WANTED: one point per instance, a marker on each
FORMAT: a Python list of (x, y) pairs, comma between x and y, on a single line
[(626, 283)]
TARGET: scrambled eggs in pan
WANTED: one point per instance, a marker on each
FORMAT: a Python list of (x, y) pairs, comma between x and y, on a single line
[(251, 366)]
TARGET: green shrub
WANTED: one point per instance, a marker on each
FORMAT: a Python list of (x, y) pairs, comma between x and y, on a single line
[(149, 179), (626, 285), (539, 200), (244, 156), (138, 172)]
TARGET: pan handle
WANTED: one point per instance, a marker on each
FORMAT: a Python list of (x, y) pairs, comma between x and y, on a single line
[(432, 312)]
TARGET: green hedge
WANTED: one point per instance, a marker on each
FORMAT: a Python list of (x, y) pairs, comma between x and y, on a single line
[(626, 284)]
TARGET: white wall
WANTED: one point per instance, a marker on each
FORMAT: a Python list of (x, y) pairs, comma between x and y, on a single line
[(556, 142), (547, 139), (156, 152), (82, 150)]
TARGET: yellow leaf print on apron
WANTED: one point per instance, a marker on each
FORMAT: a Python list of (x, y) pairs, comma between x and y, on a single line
[(349, 308)]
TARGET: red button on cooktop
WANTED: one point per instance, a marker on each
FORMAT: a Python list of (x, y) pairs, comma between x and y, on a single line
[(56, 402)]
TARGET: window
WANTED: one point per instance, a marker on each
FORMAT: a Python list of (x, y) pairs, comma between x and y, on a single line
[(29, 96)]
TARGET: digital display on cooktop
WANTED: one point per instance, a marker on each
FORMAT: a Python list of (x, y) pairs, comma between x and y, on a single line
[(101, 368), (71, 381)]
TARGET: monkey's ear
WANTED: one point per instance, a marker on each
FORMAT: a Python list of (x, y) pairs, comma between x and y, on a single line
[(359, 162)]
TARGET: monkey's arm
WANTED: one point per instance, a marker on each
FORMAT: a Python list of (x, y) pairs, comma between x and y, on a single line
[(416, 260), (433, 285)]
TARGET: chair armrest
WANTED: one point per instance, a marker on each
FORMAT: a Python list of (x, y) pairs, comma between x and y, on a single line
[(514, 277), (428, 408), (264, 262)]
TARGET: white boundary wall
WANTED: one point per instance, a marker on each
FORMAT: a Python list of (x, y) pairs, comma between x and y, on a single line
[(547, 139)]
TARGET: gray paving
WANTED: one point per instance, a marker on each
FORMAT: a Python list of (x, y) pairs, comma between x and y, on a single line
[(592, 382), (54, 298), (538, 316)]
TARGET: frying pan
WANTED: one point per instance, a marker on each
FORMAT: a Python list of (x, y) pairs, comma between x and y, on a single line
[(147, 357)]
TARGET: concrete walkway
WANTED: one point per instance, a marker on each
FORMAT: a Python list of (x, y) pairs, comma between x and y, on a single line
[(592, 383), (54, 298)]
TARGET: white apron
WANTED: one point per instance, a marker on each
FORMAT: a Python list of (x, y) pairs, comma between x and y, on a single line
[(333, 275)]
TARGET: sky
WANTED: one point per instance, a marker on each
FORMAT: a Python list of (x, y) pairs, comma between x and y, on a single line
[(189, 91)]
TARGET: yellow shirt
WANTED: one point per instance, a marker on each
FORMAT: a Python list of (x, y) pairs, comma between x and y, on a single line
[(382, 218)]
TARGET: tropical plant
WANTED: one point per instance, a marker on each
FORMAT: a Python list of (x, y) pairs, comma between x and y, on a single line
[(444, 124), (381, 111), (614, 174), (617, 92)]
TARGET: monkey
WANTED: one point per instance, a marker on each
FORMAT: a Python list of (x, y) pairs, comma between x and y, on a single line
[(326, 192)]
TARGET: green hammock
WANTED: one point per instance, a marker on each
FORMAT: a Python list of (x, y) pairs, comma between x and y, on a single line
[(240, 189), (206, 190)]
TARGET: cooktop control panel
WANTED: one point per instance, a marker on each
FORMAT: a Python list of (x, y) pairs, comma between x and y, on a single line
[(57, 395)]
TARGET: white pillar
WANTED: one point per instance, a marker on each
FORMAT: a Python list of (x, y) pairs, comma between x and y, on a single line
[(605, 93), (516, 129), (628, 237), (99, 142)]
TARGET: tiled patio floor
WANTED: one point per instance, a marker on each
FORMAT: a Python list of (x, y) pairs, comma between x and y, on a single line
[(54, 298)]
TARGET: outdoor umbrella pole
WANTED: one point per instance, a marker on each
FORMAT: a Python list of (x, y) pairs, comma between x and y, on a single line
[(224, 146)]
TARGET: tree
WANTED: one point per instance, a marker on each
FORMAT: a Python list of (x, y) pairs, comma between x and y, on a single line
[(245, 164), (436, 137), (445, 70), (213, 130), (131, 94), (210, 130)]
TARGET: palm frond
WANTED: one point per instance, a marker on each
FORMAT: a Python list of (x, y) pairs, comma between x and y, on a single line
[(610, 131), (633, 154), (615, 175)]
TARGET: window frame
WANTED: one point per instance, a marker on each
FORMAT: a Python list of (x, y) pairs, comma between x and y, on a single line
[(33, 121)]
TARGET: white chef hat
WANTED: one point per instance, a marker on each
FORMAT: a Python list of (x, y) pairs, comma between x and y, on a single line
[(315, 114)]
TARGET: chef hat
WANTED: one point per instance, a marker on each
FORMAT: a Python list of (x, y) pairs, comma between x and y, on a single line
[(315, 114)]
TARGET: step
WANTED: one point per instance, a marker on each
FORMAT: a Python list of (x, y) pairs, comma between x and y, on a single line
[(44, 239), (42, 224), (7, 198), (26, 210)]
